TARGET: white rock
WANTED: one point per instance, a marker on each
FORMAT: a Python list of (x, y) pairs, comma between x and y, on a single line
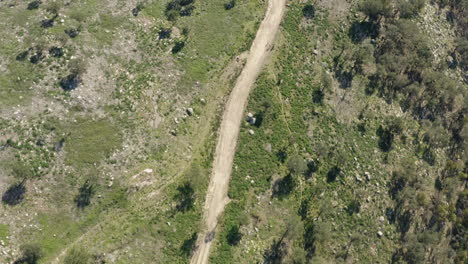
[(251, 132), (379, 234)]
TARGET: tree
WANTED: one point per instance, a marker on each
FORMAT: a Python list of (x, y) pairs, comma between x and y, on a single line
[(77, 255), (316, 233), (296, 164)]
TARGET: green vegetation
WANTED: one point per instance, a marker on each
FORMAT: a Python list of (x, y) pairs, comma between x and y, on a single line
[(357, 140), (92, 90), (77, 256), (89, 141), (4, 232)]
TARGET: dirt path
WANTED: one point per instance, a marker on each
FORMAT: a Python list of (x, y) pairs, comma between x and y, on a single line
[(216, 197)]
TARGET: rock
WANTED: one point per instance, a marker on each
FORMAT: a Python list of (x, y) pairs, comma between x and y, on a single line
[(169, 223), (148, 171), (190, 111), (368, 176), (379, 234), (251, 119), (315, 52), (382, 219), (358, 178), (251, 132), (203, 101)]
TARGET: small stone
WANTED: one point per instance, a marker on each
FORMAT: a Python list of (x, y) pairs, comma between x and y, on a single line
[(315, 52), (190, 111), (379, 234), (358, 178), (148, 171), (382, 219), (251, 132), (169, 223)]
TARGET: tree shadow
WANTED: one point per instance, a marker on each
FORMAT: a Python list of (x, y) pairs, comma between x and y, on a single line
[(308, 11), (385, 139), (189, 245), (359, 31), (14, 194), (234, 235), (333, 173), (284, 186), (86, 192), (186, 197)]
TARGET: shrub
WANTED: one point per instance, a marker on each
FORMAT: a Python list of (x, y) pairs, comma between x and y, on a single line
[(31, 254), (297, 164), (77, 255)]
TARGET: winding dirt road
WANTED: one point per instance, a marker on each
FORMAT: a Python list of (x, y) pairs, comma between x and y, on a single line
[(216, 198)]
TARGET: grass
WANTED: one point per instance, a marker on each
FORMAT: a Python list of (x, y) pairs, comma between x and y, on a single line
[(4, 233), (89, 142)]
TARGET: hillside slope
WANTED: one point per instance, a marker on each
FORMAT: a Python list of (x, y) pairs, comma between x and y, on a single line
[(359, 147)]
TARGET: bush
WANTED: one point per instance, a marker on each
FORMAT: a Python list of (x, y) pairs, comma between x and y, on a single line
[(375, 9), (31, 253), (297, 164), (77, 255)]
